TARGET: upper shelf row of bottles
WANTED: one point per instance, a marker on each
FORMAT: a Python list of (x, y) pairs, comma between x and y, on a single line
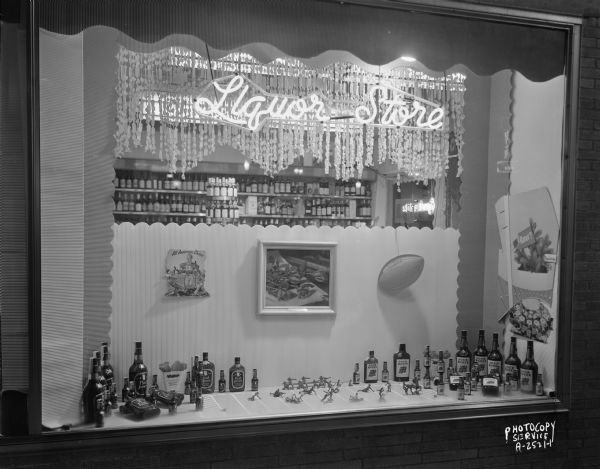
[(226, 186)]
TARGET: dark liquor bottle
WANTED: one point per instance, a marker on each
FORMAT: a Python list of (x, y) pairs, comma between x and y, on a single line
[(188, 384), (512, 364), (109, 375), (529, 370), (98, 356), (237, 376), (93, 394), (193, 392), (467, 381), (440, 383), (154, 387), (494, 361), (461, 388), (125, 391), (481, 354), (138, 372), (196, 369), (222, 384), (356, 374), (371, 368), (417, 370), (463, 356), (441, 366), (427, 366), (402, 364), (385, 374), (454, 379), (254, 382), (207, 369)]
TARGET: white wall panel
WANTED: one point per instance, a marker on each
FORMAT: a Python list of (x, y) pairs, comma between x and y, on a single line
[(226, 323)]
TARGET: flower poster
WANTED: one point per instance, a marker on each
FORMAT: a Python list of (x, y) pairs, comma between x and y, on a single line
[(185, 273)]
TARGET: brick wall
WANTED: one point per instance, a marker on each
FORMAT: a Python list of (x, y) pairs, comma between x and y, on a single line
[(461, 444)]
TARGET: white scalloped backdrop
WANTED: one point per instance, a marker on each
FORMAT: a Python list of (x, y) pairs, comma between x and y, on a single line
[(226, 324)]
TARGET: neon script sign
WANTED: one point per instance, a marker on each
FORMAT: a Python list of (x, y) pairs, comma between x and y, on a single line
[(239, 101)]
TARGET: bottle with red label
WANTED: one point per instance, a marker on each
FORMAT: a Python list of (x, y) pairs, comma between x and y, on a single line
[(463, 356), (480, 356), (138, 372), (237, 376), (402, 364), (371, 368), (529, 370)]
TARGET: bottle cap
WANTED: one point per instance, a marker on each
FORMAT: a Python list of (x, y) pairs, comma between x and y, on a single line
[(205, 356)]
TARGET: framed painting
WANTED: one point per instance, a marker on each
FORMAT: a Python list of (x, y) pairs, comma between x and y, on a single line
[(296, 277)]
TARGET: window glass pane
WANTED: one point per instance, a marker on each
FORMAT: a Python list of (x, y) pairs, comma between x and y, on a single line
[(296, 211)]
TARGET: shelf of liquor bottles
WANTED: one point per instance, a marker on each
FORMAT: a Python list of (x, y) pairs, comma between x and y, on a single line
[(160, 197)]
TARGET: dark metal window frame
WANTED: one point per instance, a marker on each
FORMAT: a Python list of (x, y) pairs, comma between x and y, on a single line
[(570, 25)]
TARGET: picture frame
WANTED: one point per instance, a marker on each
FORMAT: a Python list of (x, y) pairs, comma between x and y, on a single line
[(296, 277)]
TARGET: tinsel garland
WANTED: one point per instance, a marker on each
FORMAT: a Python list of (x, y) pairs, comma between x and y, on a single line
[(155, 110)]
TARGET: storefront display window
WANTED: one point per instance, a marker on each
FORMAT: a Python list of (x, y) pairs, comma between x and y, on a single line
[(238, 226)]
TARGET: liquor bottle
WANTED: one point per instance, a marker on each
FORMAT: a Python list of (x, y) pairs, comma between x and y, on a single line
[(126, 391), (490, 384), (539, 385), (474, 377), (356, 374), (193, 392), (371, 368), (512, 364), (237, 376), (138, 372), (154, 387), (449, 371), (481, 354), (529, 370), (427, 366), (207, 368), (417, 370), (98, 356), (402, 364), (441, 365), (454, 378), (440, 383), (494, 361), (385, 374), (195, 369), (222, 384), (93, 394), (467, 383), (461, 388), (463, 356), (188, 384), (108, 373), (254, 382)]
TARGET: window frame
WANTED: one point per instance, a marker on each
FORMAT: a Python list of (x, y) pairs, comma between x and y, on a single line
[(569, 24)]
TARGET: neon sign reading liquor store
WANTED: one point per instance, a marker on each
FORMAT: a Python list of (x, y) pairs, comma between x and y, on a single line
[(241, 102)]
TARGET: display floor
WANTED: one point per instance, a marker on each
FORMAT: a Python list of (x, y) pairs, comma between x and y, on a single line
[(220, 407)]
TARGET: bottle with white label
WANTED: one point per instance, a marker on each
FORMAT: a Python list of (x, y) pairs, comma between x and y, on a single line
[(427, 366), (463, 356), (385, 374), (529, 370), (207, 370), (402, 364), (512, 364), (371, 368), (481, 355), (494, 362), (356, 374), (237, 376)]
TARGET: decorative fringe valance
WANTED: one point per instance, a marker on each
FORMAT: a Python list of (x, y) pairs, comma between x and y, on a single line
[(157, 108)]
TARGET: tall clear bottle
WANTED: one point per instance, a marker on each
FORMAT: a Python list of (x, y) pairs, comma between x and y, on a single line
[(529, 370), (207, 373), (494, 361), (371, 368), (463, 356), (481, 354), (512, 364), (402, 364), (138, 372)]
